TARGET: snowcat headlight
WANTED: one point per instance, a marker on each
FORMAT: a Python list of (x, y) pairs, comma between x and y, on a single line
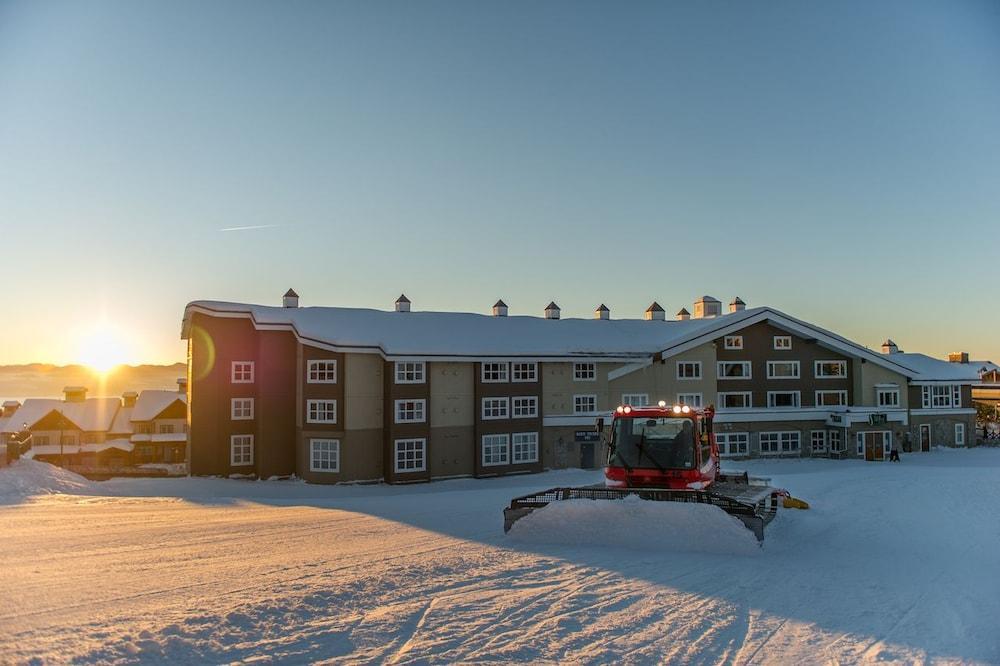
[(685, 409), (620, 409), (627, 409), (662, 403), (677, 409)]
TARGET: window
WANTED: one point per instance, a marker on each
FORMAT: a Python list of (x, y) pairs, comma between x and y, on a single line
[(496, 408), (830, 369), (635, 399), (143, 428), (410, 372), (782, 342), (242, 409), (733, 342), (942, 396), (776, 443), (733, 443), (584, 404), (734, 370), (525, 372), (831, 398), (782, 369), (410, 411), (689, 399), (734, 400), (959, 434), (411, 455), (584, 372), (321, 372), (242, 372), (494, 373), (68, 440), (495, 449), (688, 369), (321, 411), (524, 447), (168, 428), (525, 406), (324, 455), (887, 397), (818, 441), (241, 450), (782, 398), (836, 441), (39, 440)]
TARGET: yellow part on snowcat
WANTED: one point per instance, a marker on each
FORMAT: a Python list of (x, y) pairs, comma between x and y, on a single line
[(794, 503)]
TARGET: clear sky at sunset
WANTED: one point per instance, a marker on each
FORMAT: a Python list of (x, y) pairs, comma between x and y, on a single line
[(837, 160)]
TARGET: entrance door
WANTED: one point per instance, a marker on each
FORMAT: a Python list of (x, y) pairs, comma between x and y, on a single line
[(925, 437), (877, 444)]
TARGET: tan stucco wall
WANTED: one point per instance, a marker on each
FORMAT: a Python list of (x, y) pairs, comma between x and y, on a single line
[(363, 392), (867, 375), (660, 381), (452, 395), (452, 451)]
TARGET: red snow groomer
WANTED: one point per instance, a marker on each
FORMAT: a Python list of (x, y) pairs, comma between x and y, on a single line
[(667, 454)]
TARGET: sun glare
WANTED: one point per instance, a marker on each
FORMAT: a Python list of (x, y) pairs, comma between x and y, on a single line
[(102, 348)]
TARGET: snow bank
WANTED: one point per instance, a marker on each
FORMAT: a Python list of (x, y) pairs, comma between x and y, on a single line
[(636, 524), (24, 478)]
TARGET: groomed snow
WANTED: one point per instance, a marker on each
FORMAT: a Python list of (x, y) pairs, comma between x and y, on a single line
[(894, 562)]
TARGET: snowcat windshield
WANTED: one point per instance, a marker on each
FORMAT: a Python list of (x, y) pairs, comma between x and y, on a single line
[(654, 442)]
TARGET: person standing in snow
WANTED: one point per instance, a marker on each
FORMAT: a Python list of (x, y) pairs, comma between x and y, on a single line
[(894, 452)]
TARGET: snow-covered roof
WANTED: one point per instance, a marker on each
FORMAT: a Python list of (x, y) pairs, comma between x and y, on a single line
[(984, 366), (154, 401), (122, 425), (91, 415), (928, 368)]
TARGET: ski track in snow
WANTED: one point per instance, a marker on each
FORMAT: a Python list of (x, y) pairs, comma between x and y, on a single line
[(894, 563)]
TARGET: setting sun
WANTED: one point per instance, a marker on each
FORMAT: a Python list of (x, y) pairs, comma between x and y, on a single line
[(103, 347)]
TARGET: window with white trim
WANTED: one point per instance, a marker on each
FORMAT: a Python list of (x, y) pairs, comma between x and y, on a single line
[(584, 372), (496, 449), (241, 409), (734, 370), (524, 406), (322, 371), (836, 441), (887, 397), (783, 399), (688, 369), (733, 443), (941, 396), (324, 455), (411, 455), (689, 399), (524, 372), (818, 441), (242, 372), (959, 434), (584, 404), (494, 373), (777, 443), (831, 398), (733, 342), (735, 400), (495, 408), (321, 411), (241, 450), (830, 369), (782, 369), (410, 372), (635, 399), (410, 411), (524, 447), (782, 342)]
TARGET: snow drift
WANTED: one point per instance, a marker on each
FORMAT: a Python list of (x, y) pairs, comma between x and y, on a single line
[(25, 478), (637, 524)]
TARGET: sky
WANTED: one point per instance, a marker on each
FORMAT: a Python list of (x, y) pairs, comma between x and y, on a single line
[(837, 161)]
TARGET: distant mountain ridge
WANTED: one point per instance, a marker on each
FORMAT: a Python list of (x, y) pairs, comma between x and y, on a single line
[(43, 380)]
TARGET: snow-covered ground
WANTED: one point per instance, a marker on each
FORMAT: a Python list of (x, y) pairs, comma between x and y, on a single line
[(894, 562)]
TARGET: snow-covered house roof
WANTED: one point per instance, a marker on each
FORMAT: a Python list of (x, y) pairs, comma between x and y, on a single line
[(152, 402), (122, 425), (928, 368), (90, 415)]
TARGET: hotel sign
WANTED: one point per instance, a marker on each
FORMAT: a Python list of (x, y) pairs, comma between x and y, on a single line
[(878, 418)]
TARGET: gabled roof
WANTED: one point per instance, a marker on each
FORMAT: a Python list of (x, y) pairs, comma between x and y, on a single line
[(152, 402), (90, 415), (500, 304), (602, 308), (402, 299), (291, 294), (737, 301), (122, 425), (928, 368), (683, 311), (552, 306), (655, 307)]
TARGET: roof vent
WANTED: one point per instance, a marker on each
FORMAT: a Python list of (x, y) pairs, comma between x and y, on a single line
[(182, 385), (75, 393), (655, 313), (889, 347), (683, 314), (706, 306), (958, 357), (737, 305), (402, 303), (290, 299), (129, 398), (602, 312), (552, 311), (9, 407), (500, 309)]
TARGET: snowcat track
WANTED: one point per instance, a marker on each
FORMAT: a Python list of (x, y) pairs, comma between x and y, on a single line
[(755, 506)]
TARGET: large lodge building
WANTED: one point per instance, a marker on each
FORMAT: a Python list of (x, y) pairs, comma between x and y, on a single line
[(342, 394)]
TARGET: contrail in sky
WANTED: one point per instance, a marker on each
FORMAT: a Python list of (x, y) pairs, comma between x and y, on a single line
[(256, 226)]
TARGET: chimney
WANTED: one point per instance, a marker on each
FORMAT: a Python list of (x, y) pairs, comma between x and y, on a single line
[(9, 407), (655, 313), (958, 357), (182, 385), (500, 309), (290, 299), (402, 303), (889, 347), (552, 311), (683, 314), (602, 312), (74, 393), (706, 307), (737, 305), (129, 398)]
